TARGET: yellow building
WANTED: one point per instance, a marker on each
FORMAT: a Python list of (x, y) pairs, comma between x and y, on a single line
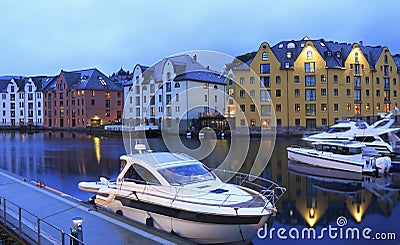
[(308, 84)]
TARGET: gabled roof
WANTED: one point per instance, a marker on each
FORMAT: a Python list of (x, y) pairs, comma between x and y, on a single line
[(202, 76), (4, 84), (89, 79)]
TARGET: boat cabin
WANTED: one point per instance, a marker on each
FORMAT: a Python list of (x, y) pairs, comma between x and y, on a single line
[(163, 168), (340, 148)]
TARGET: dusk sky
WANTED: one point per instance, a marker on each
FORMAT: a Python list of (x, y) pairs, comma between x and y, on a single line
[(42, 37)]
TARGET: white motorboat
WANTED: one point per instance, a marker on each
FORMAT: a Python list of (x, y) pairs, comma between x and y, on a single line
[(379, 136), (178, 194), (347, 156)]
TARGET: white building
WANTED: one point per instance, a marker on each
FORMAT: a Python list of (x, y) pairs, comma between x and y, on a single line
[(21, 101), (177, 91)]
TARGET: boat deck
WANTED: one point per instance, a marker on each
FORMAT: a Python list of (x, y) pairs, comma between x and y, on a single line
[(58, 209)]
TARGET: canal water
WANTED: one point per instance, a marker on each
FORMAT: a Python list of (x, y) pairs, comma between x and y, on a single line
[(339, 207)]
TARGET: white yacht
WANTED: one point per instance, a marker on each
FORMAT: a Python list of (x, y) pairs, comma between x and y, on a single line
[(347, 156), (178, 194), (379, 136)]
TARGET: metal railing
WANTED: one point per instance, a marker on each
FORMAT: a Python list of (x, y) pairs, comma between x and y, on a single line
[(31, 228)]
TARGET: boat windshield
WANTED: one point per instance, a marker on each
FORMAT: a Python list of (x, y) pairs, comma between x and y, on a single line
[(343, 150), (338, 129), (186, 174)]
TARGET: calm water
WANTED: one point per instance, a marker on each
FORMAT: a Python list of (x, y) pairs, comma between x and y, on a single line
[(314, 198)]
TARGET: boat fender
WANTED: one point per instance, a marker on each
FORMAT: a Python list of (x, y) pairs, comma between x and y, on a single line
[(149, 221)]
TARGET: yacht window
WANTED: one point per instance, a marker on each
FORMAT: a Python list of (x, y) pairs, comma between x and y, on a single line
[(361, 125), (354, 150), (381, 124), (364, 138), (318, 147), (186, 174), (338, 130), (122, 165), (326, 148), (140, 175)]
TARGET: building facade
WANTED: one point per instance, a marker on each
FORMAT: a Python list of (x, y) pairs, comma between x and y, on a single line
[(314, 83), (174, 93), (82, 98), (21, 101)]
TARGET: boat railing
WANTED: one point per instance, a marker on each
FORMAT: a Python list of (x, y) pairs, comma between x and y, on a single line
[(265, 187)]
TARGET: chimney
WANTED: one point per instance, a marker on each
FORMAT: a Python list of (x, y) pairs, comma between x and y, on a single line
[(195, 57), (361, 43)]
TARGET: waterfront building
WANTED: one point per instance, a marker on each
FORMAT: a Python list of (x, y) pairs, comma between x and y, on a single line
[(81, 98), (314, 83), (176, 92), (22, 101)]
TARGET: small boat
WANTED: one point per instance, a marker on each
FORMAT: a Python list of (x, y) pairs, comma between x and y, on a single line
[(341, 155), (177, 193), (379, 136)]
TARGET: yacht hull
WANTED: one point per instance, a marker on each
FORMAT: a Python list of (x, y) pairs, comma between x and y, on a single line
[(323, 160), (199, 228)]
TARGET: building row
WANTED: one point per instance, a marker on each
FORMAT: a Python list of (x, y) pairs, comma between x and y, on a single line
[(313, 83), (293, 84)]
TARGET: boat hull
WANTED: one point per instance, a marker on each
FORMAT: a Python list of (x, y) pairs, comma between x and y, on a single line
[(202, 231), (320, 160)]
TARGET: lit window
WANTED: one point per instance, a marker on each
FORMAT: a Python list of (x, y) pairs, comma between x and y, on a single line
[(296, 107), (289, 55), (291, 45), (264, 56), (348, 106)]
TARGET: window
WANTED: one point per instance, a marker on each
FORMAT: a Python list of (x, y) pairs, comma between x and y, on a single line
[(323, 107), (168, 87), (335, 107), (348, 107), (243, 108), (264, 68), (335, 79), (310, 110), (264, 56), (252, 93), (278, 79), (241, 93), (309, 55), (278, 107), (296, 79), (323, 122), (357, 82), (366, 80), (394, 93), (291, 45), (377, 80), (265, 82), (252, 108), (310, 81), (251, 80), (323, 91), (378, 106), (241, 80), (278, 93), (297, 121), (351, 66), (176, 97), (378, 93), (289, 55), (310, 95), (323, 79), (347, 79), (367, 106), (335, 92), (107, 103), (264, 95), (348, 92), (309, 67), (385, 59), (92, 93), (93, 102), (297, 92), (168, 99), (279, 122), (394, 81), (367, 92), (177, 85), (205, 98), (296, 107)]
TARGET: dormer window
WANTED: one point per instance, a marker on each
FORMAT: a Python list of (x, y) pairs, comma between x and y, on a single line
[(291, 45), (329, 53), (289, 55), (287, 65), (338, 54), (322, 44), (280, 45), (264, 56), (302, 45)]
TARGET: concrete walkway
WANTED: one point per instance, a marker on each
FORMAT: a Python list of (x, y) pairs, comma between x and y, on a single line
[(99, 227)]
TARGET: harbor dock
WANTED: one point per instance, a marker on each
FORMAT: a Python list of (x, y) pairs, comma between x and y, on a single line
[(37, 214)]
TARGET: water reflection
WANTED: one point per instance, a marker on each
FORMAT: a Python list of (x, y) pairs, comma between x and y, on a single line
[(314, 197)]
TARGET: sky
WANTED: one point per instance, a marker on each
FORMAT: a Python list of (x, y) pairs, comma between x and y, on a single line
[(42, 37)]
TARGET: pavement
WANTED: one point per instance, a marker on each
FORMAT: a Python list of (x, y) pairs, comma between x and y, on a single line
[(58, 209)]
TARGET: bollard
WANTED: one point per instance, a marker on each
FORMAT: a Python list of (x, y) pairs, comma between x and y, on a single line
[(77, 222)]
